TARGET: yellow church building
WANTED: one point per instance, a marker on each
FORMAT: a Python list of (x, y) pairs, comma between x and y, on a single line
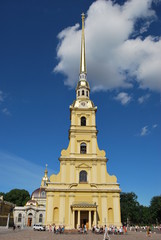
[(83, 192)]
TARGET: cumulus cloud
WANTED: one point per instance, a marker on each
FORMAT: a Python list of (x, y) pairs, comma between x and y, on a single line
[(114, 57), (123, 97), (144, 98)]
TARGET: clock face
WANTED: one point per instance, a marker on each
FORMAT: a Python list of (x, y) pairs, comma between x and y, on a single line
[(82, 104)]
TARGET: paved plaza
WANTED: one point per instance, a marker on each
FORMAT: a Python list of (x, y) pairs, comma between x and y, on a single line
[(29, 234)]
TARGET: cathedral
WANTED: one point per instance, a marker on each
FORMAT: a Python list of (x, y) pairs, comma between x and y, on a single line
[(82, 192)]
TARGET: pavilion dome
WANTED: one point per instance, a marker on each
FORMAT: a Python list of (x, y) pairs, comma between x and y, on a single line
[(39, 193)]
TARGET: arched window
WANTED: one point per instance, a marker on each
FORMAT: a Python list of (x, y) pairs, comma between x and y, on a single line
[(87, 93), (78, 93), (82, 92), (40, 218), (83, 121), (19, 217), (83, 148), (83, 176), (43, 194)]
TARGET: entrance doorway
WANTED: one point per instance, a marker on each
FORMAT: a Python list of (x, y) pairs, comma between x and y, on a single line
[(29, 222), (84, 218)]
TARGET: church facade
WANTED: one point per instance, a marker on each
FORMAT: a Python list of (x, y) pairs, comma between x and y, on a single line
[(83, 192)]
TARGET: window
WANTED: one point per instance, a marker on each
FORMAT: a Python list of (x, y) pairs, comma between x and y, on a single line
[(87, 93), (83, 121), (83, 148), (40, 217), (82, 92), (78, 93), (43, 193), (83, 176), (19, 217)]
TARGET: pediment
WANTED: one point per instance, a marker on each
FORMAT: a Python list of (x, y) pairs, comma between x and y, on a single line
[(83, 165)]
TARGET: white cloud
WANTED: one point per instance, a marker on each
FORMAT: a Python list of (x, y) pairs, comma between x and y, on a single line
[(144, 98), (155, 126), (6, 112), (123, 97), (113, 58), (147, 130), (144, 131), (1, 96)]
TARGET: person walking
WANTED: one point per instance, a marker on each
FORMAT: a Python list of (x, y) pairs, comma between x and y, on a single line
[(106, 236)]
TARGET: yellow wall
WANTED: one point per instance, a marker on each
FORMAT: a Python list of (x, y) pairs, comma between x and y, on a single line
[(64, 188)]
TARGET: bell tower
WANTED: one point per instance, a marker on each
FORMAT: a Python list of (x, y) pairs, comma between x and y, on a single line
[(83, 192)]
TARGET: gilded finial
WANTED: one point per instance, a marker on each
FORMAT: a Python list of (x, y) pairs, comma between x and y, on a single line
[(83, 59)]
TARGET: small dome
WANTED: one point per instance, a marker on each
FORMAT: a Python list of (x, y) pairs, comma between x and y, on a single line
[(39, 193), (83, 83)]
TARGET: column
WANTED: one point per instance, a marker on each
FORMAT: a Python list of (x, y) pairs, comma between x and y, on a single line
[(72, 172), (89, 219), (71, 199), (104, 209), (72, 140), (103, 172), (116, 209), (62, 209), (73, 219), (95, 217), (93, 144), (63, 171), (94, 172), (49, 209), (78, 218)]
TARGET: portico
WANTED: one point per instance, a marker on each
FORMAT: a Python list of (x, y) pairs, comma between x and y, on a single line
[(84, 214)]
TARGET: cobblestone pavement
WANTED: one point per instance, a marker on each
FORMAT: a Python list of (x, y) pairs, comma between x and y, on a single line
[(29, 234)]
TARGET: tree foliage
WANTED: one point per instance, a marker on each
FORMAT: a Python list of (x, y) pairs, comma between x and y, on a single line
[(129, 208), (134, 213), (155, 209), (17, 196)]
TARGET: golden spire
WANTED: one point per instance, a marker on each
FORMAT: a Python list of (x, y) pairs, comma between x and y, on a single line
[(45, 177), (46, 172), (83, 59)]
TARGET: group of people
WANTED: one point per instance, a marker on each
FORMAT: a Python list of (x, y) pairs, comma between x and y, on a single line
[(83, 229), (53, 228), (110, 230)]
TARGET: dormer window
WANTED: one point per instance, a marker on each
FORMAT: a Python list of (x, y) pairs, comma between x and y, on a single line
[(83, 121), (83, 148), (83, 92)]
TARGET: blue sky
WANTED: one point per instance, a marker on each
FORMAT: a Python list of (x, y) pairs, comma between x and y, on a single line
[(39, 62)]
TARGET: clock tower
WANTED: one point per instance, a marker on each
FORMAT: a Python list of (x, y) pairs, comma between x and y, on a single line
[(83, 192)]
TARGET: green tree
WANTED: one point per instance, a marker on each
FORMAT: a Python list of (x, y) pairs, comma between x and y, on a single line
[(155, 209), (17, 196), (144, 215), (129, 208), (2, 193)]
